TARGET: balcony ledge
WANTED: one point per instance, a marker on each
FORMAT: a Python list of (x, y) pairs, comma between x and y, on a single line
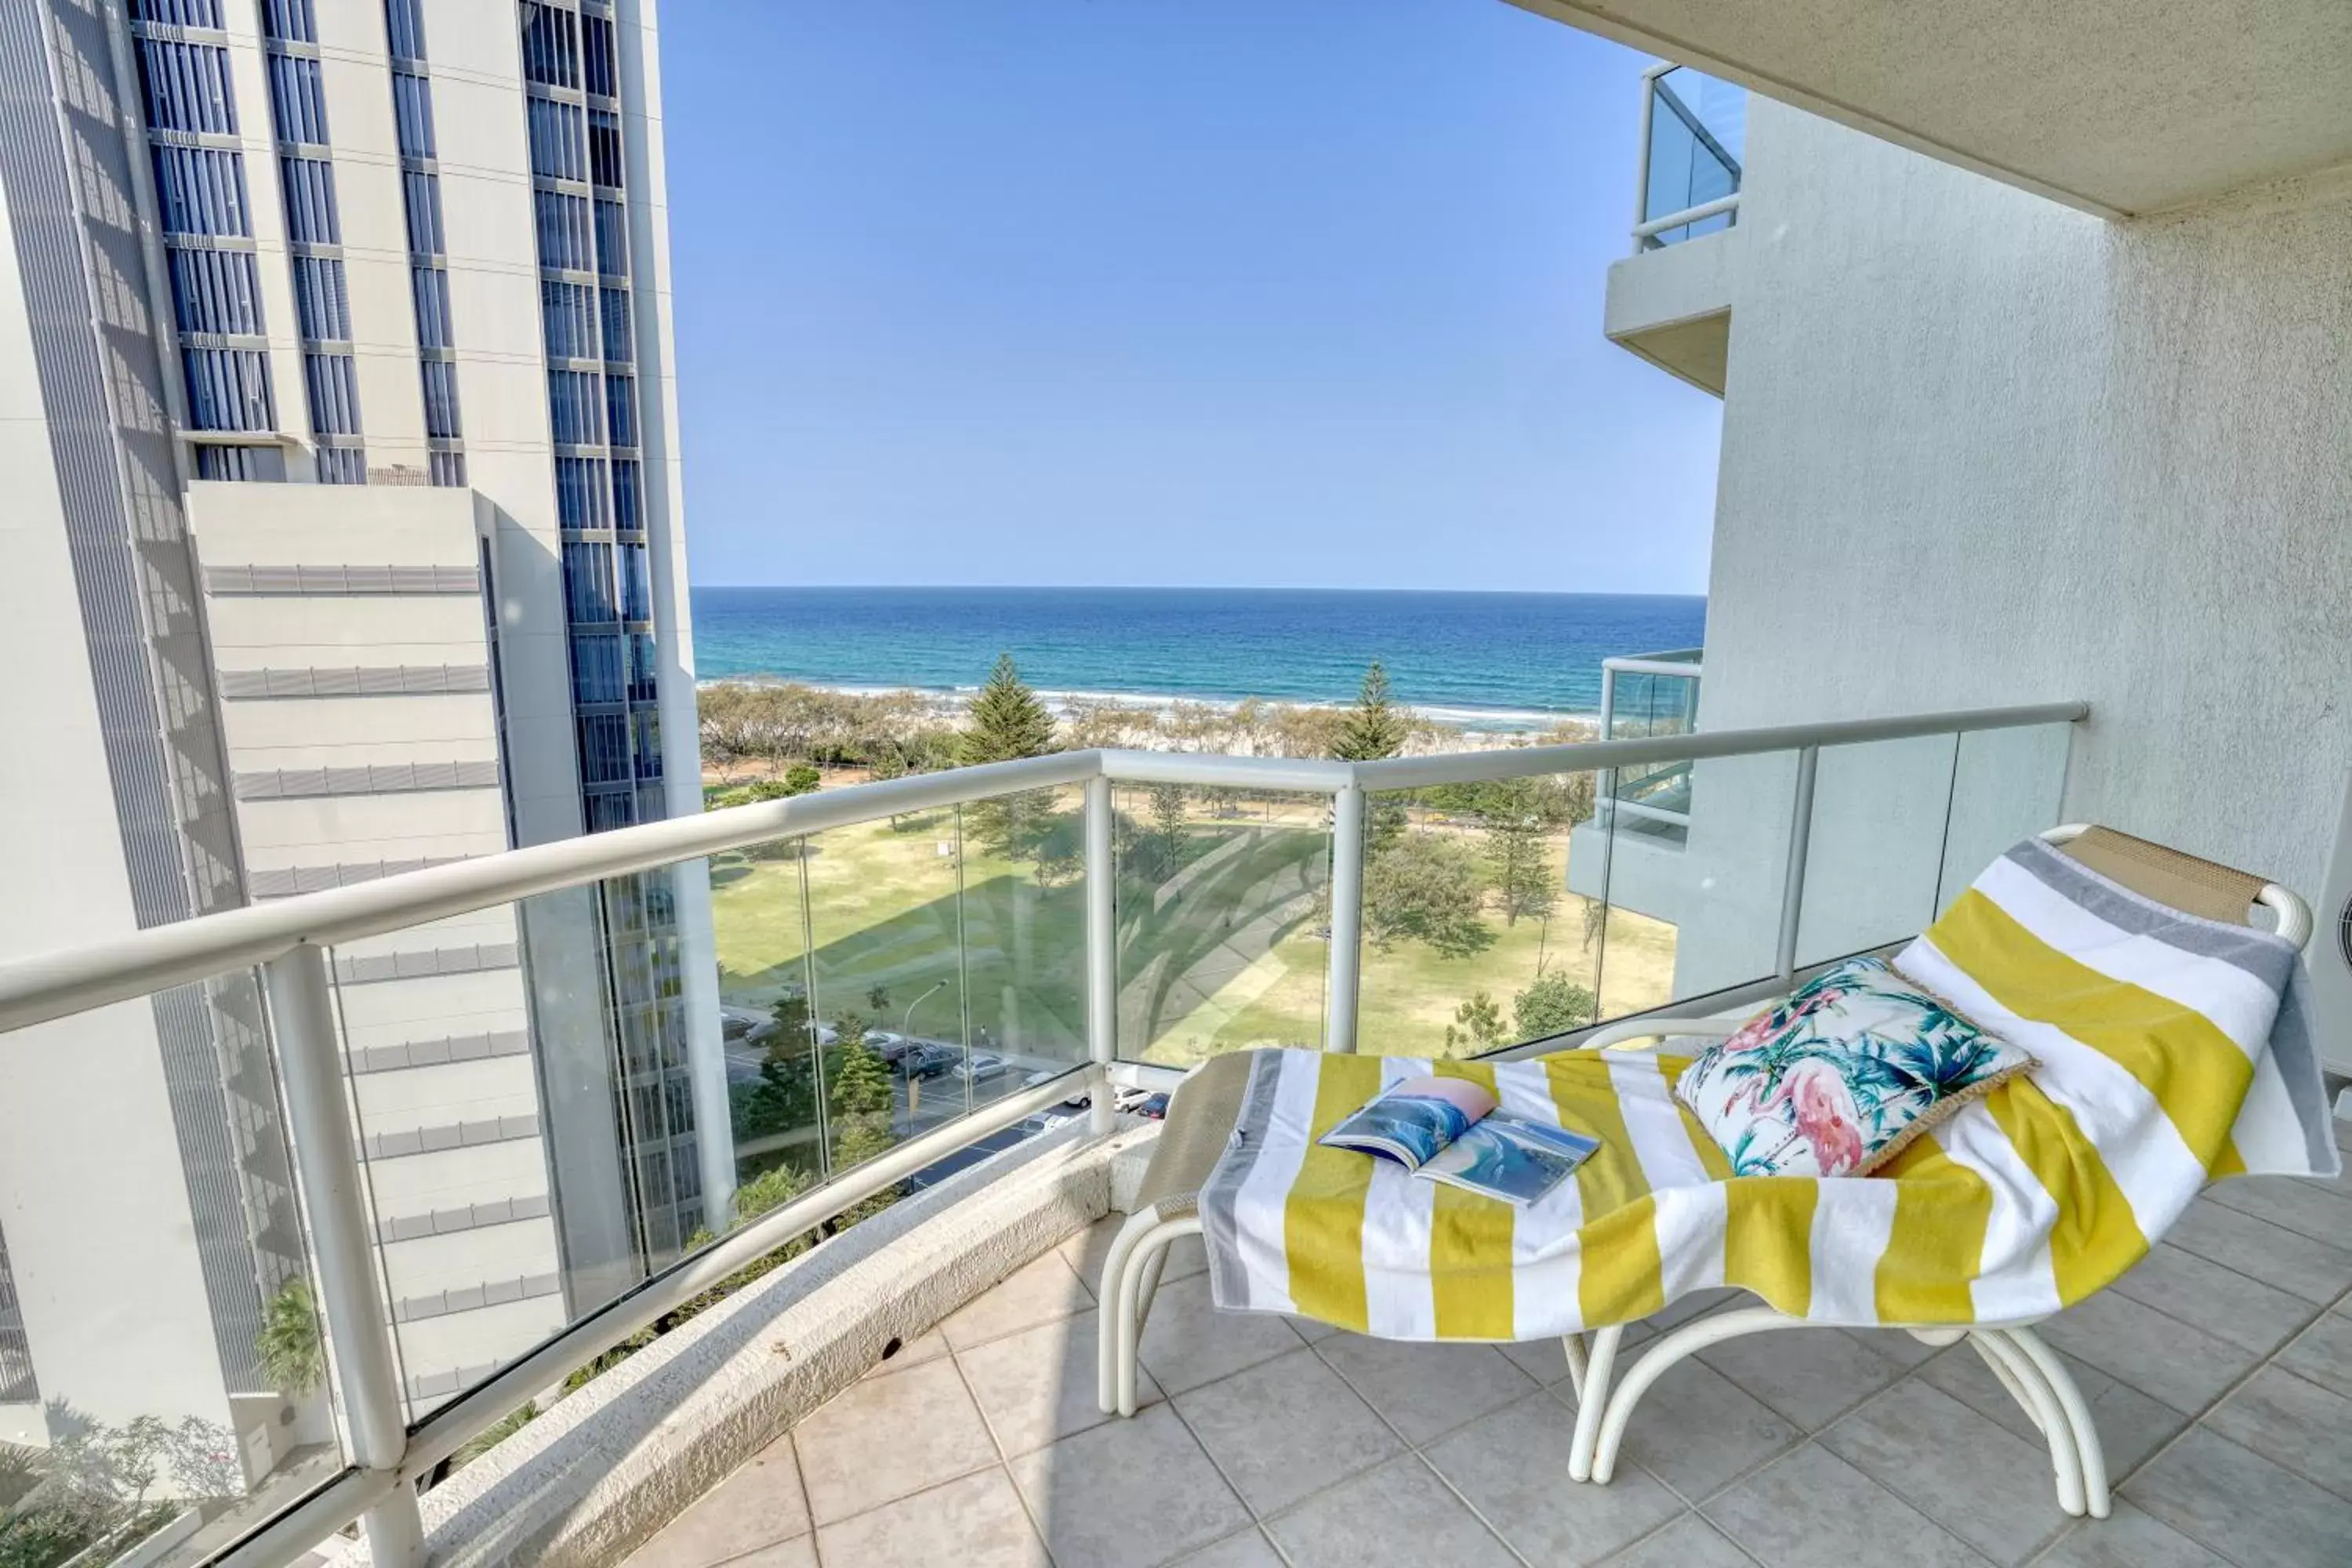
[(605, 1468)]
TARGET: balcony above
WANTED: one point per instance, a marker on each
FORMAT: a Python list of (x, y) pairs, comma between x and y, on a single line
[(2115, 108)]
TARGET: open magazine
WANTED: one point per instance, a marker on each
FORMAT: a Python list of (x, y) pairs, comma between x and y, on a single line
[(1448, 1129)]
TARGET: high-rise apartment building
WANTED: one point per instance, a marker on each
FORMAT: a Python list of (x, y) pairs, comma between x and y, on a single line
[(345, 518)]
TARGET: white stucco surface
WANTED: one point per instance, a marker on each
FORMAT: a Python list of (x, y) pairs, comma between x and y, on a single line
[(1980, 448)]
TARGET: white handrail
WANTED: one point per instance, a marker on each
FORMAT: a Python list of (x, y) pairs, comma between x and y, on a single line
[(49, 986), (1700, 213)]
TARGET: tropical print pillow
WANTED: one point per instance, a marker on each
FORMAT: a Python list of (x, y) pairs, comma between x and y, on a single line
[(1836, 1079)]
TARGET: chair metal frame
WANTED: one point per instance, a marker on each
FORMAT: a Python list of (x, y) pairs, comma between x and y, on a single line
[(2027, 1367)]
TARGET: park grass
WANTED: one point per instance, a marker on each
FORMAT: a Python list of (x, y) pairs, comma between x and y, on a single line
[(1218, 953)]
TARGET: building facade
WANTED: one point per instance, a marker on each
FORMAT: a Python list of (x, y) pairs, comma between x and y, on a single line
[(347, 508)]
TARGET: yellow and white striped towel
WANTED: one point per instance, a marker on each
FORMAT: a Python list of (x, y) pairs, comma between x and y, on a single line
[(2173, 1050)]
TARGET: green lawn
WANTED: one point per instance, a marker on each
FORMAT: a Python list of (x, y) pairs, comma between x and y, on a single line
[(1219, 952)]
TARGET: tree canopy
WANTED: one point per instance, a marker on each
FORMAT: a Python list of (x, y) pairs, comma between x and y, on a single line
[(1375, 727), (1006, 719)]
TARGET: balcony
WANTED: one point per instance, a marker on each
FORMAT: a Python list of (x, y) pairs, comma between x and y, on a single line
[(899, 995), (1670, 301)]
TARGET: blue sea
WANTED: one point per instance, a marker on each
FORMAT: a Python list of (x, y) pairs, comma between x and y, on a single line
[(1505, 661)]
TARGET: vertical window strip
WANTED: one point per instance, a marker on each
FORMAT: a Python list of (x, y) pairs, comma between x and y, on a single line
[(228, 389), (216, 291), (178, 13), (334, 394), (290, 21), (579, 492), (596, 675), (310, 215), (341, 466), (620, 336), (588, 583), (636, 585), (423, 191), (441, 398), (612, 238), (628, 507), (604, 147), (202, 191), (596, 51), (296, 99), (550, 48), (411, 113), (556, 143), (564, 241), (187, 87), (620, 410), (576, 407), (446, 468), (568, 310), (404, 25), (321, 299), (431, 287)]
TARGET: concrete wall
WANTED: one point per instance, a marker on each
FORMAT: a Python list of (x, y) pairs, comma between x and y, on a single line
[(2070, 459)]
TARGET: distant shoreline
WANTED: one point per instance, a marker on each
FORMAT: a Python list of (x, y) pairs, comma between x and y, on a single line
[(950, 701)]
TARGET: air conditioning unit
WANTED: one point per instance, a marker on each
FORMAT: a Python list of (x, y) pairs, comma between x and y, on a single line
[(2331, 959)]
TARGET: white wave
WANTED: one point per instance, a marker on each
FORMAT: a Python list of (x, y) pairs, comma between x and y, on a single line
[(1488, 720)]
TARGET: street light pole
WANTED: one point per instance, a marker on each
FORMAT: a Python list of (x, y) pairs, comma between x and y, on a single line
[(906, 1045)]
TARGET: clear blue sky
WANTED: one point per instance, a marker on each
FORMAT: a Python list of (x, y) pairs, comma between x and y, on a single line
[(1222, 292)]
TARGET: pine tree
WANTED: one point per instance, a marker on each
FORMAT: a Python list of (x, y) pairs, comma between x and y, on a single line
[(1513, 818), (1007, 720), (1373, 728)]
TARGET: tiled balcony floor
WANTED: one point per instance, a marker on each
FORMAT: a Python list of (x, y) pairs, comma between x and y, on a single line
[(2219, 1372)]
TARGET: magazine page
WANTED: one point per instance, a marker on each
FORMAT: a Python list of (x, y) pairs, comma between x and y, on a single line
[(1511, 1158), (1410, 1123)]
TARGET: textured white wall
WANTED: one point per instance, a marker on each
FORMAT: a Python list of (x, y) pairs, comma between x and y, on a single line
[(1980, 448)]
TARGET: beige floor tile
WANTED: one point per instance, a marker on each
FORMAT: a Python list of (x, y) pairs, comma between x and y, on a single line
[(2291, 1421), (914, 1352), (2131, 1425), (2142, 1348), (1039, 1291), (2320, 1214), (1086, 1252), (888, 1437), (1187, 1342), (2218, 1298), (1400, 1514), (1127, 1494), (1424, 1390), (976, 1521), (1040, 1384), (1688, 1542), (1811, 1376), (2324, 1353), (1986, 1485), (2127, 1537), (1512, 1465), (759, 1505), (1697, 1431), (1285, 1428), (1250, 1549), (2318, 1271), (2244, 1507), (1812, 1508)]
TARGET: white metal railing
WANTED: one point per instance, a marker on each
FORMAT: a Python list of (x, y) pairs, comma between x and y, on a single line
[(1651, 227), (289, 941)]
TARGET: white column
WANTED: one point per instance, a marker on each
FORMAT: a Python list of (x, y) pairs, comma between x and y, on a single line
[(1102, 951), (1347, 918)]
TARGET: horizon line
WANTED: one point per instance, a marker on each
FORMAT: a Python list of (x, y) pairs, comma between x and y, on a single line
[(1200, 588)]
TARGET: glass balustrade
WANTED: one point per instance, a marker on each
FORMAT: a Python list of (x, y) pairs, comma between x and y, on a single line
[(1697, 138)]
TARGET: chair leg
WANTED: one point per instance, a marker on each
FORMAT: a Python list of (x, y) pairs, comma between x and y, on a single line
[(1599, 1453), (2096, 1496), (1592, 1398), (1107, 1337), (1573, 1344), (2028, 1382), (1153, 1264)]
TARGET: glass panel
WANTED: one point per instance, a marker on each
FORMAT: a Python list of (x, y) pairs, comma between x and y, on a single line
[(1697, 133), (2007, 784), (1477, 932), (1025, 913), (1222, 910), (1694, 894), (163, 1378), (1876, 856), (885, 963)]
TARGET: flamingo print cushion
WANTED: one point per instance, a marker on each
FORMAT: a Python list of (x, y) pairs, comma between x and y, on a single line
[(1837, 1079)]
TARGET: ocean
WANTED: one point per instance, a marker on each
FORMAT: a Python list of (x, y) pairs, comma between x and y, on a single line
[(1487, 660)]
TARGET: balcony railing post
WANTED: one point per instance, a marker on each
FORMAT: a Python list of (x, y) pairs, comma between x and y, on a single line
[(1347, 918), (1642, 177), (302, 1021), (1800, 841), (1102, 952)]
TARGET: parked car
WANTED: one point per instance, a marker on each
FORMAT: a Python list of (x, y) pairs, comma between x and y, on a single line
[(983, 1066), (889, 1046), (734, 1023), (1155, 1107), (930, 1061)]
